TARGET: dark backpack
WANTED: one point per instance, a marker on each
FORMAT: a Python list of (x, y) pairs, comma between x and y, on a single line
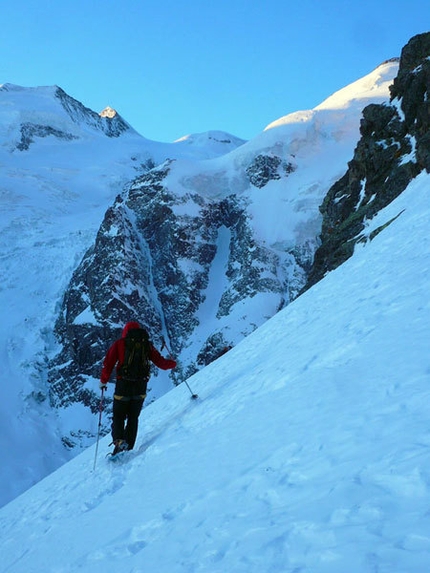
[(136, 365)]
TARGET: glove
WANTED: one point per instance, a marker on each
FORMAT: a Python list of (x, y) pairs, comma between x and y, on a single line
[(103, 386)]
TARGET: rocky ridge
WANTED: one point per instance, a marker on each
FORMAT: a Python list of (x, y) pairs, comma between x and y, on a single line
[(393, 149)]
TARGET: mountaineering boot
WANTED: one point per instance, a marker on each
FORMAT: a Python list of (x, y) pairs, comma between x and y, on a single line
[(120, 446)]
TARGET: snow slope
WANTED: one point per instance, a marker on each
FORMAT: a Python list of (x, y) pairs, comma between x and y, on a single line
[(308, 449)]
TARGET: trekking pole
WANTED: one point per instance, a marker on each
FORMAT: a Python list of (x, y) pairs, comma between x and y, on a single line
[(99, 427), (193, 396)]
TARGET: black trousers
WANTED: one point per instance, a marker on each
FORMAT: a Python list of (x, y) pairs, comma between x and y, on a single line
[(125, 419)]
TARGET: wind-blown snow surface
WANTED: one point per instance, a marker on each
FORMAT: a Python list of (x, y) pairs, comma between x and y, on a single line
[(308, 449)]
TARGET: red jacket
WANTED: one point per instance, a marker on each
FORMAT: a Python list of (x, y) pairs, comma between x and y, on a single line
[(115, 356)]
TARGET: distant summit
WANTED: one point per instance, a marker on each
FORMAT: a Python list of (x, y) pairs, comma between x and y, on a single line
[(108, 112)]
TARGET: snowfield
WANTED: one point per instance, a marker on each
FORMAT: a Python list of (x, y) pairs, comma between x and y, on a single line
[(307, 450)]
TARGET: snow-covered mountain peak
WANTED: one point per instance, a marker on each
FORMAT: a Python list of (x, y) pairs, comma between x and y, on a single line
[(212, 135), (370, 88), (212, 143), (108, 112), (35, 113), (372, 85), (334, 119), (32, 116)]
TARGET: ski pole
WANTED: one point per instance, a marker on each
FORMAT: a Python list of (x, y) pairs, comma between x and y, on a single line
[(193, 396), (99, 427)]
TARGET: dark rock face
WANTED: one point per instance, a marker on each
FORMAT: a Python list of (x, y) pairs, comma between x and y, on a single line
[(266, 168), (215, 347), (393, 149), (152, 261), (31, 130), (412, 89)]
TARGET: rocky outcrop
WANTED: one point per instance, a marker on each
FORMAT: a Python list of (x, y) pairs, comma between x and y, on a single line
[(265, 168), (31, 130), (411, 89), (394, 147)]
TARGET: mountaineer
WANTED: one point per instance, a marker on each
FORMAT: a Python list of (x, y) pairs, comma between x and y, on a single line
[(131, 355)]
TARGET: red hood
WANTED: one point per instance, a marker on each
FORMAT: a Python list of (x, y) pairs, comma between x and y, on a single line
[(128, 327)]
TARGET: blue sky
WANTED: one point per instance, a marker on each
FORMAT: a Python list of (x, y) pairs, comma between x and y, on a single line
[(174, 67)]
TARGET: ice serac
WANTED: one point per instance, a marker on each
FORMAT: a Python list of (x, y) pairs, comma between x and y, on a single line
[(393, 149)]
